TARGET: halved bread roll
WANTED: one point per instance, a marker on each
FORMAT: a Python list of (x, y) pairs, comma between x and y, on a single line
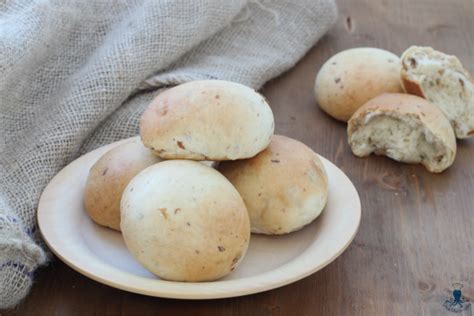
[(441, 79), (405, 128)]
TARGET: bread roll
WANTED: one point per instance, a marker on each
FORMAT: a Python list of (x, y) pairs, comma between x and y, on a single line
[(352, 77), (284, 187), (441, 79), (109, 176), (405, 128), (184, 221), (207, 120)]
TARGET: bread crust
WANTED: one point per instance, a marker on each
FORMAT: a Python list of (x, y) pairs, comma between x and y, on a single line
[(413, 77), (285, 187), (412, 87), (108, 178), (184, 221), (207, 120), (352, 77), (409, 106)]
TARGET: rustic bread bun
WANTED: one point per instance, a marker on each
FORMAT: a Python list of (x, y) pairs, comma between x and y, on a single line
[(109, 176), (441, 79), (405, 128), (352, 77), (207, 120), (284, 187), (184, 221)]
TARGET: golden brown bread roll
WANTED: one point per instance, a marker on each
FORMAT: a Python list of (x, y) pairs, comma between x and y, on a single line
[(354, 76), (184, 221), (284, 187), (207, 120), (108, 178)]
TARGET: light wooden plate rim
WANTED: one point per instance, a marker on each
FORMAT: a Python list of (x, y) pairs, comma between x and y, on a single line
[(93, 267)]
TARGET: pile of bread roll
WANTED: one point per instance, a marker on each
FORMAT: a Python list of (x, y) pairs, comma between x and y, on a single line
[(180, 217), (410, 109)]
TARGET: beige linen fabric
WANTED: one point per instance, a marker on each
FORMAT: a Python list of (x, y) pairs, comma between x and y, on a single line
[(77, 74)]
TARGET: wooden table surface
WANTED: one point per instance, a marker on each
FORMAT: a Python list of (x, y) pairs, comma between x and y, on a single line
[(417, 232)]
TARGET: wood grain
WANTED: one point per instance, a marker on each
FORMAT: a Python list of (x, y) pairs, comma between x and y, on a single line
[(417, 232)]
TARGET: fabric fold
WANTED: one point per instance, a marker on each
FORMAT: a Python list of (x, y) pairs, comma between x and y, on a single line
[(267, 38), (76, 74)]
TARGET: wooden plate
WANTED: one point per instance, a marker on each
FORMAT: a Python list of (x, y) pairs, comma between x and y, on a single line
[(271, 262)]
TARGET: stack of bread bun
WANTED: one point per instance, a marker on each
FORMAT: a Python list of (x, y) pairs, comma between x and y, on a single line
[(181, 216), (410, 109)]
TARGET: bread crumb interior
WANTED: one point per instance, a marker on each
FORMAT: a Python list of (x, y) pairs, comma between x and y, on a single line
[(403, 139), (446, 86)]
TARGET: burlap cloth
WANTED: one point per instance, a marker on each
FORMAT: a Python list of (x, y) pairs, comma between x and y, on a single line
[(77, 74)]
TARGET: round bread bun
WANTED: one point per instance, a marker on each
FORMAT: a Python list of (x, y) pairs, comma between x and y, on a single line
[(207, 120), (405, 128), (184, 221), (354, 76), (109, 176), (284, 187)]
